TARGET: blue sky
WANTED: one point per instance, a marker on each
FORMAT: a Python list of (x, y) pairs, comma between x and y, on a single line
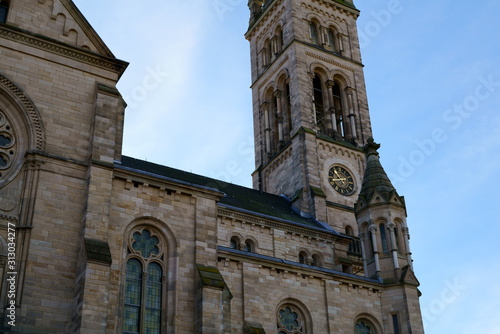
[(433, 81)]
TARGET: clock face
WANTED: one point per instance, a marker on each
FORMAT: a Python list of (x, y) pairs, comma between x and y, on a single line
[(341, 180)]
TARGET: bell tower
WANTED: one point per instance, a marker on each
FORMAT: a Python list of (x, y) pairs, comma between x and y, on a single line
[(309, 105), (314, 145)]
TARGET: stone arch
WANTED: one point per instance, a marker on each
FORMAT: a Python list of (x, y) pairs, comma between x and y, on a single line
[(237, 238), (253, 243), (21, 129), (28, 110), (171, 261), (342, 77), (370, 319)]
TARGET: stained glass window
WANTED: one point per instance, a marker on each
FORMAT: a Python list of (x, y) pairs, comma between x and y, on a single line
[(153, 298), (290, 321), (145, 243), (4, 8), (133, 287), (363, 327), (383, 237), (143, 286)]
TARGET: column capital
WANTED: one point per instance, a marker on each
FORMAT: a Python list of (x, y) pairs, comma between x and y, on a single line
[(349, 90)]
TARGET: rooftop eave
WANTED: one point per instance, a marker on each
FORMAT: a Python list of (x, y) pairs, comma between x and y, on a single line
[(292, 266), (156, 179), (291, 226)]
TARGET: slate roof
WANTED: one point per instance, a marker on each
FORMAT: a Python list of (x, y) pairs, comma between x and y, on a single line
[(375, 178), (235, 196)]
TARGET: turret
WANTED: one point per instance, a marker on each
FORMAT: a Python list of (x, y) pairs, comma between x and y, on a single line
[(381, 217)]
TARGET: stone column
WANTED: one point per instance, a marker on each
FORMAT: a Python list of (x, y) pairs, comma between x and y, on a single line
[(352, 115), (331, 118), (267, 126), (363, 253), (406, 236), (373, 230), (341, 43), (279, 114)]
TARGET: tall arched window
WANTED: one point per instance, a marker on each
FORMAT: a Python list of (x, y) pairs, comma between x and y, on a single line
[(278, 41), (313, 27), (303, 257), (288, 113), (266, 53), (383, 239), (338, 108), (249, 246), (317, 260), (330, 40), (318, 102), (290, 320), (4, 9), (234, 243), (144, 286)]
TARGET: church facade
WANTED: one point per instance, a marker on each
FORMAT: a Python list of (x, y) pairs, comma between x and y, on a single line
[(92, 241)]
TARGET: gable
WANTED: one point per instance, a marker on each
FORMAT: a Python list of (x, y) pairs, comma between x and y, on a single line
[(59, 20)]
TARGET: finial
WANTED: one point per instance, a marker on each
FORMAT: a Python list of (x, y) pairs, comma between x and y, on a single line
[(371, 147)]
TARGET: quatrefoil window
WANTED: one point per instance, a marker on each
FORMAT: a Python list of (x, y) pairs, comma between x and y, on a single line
[(146, 244)]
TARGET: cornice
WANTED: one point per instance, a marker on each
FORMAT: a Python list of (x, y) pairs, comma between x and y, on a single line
[(289, 227), (333, 4), (295, 268), (62, 49), (330, 61)]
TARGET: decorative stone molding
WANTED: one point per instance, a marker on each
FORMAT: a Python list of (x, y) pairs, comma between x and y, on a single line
[(63, 50)]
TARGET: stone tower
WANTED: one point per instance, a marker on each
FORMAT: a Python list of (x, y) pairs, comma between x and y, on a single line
[(313, 139), (310, 106)]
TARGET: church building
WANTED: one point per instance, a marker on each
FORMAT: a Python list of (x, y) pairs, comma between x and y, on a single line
[(93, 241)]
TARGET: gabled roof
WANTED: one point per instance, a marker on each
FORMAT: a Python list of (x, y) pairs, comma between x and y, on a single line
[(87, 28), (235, 196)]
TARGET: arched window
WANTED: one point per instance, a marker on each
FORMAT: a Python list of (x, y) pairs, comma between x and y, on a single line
[(4, 9), (383, 239), (313, 27), (338, 108), (234, 243), (144, 285), (303, 257), (364, 327), (316, 260), (330, 40), (249, 246), (288, 112), (278, 41), (369, 241), (290, 320), (318, 102), (266, 53)]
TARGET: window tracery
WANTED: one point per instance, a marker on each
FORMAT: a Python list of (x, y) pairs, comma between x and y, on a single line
[(364, 327), (8, 146), (290, 320), (144, 283)]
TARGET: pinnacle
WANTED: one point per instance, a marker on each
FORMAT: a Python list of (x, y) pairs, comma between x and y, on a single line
[(375, 178)]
